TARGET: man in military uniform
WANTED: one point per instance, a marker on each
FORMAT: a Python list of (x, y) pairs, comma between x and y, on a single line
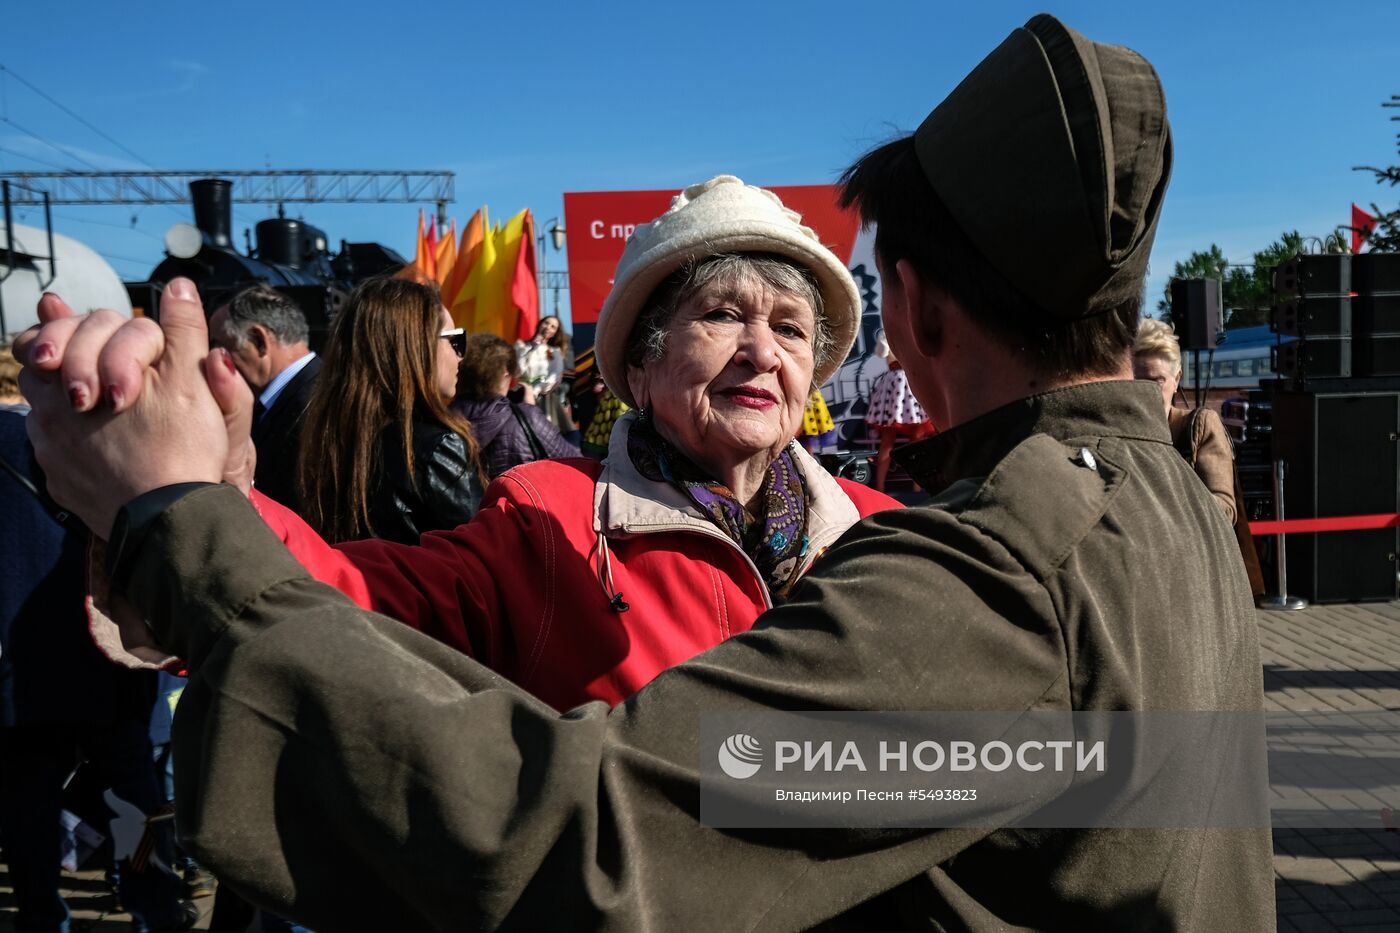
[(341, 769)]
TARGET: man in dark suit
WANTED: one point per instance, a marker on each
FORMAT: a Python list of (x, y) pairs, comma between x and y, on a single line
[(266, 334)]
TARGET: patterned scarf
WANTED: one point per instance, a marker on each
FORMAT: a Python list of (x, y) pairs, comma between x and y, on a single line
[(776, 540)]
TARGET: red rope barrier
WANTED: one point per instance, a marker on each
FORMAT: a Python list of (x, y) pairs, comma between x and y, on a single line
[(1342, 523)]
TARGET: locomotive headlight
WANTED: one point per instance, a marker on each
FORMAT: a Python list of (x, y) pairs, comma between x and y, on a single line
[(183, 241)]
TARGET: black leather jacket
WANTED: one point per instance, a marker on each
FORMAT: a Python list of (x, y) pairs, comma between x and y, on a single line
[(447, 491)]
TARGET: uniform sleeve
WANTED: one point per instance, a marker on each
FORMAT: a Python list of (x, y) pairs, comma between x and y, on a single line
[(1215, 461), (352, 754)]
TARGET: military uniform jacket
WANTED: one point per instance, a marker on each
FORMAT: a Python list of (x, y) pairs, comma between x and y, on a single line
[(353, 774)]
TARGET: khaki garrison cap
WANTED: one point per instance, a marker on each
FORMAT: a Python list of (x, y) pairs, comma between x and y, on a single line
[(1053, 157)]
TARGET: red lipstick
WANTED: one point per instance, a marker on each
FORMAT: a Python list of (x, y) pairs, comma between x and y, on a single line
[(751, 397)]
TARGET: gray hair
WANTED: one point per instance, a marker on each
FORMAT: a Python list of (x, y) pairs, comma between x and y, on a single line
[(262, 304), (647, 342)]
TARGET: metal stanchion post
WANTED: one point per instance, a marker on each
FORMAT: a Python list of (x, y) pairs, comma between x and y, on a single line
[(1282, 601)]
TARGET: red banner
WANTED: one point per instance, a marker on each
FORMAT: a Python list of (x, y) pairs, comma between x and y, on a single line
[(599, 223)]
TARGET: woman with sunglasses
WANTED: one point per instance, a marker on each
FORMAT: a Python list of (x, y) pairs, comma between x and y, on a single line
[(382, 453)]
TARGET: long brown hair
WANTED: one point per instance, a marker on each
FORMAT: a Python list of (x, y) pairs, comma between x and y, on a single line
[(377, 371), (560, 340)]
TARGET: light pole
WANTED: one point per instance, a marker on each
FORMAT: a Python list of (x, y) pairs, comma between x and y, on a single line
[(556, 235)]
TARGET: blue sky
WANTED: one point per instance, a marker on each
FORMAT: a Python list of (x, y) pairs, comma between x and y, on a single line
[(1271, 104)]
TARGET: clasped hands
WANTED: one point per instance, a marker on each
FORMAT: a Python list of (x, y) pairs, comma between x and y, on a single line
[(122, 407)]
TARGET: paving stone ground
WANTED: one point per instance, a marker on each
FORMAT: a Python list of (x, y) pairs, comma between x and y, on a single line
[(1343, 658), (91, 903)]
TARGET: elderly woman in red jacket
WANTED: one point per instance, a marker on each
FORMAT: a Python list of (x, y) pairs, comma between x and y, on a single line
[(582, 580)]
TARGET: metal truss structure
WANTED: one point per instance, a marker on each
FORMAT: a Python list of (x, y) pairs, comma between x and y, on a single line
[(304, 186)]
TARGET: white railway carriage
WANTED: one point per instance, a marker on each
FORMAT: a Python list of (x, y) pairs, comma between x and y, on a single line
[(1241, 359)]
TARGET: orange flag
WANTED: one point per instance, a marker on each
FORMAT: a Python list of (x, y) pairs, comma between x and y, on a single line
[(455, 294), (466, 255), (417, 270), (446, 256), (524, 286)]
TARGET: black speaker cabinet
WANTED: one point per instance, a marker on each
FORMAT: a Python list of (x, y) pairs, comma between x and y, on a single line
[(1328, 316), (1376, 356), (1376, 272), (1376, 314), (1325, 274), (1342, 459), (1315, 358), (1196, 312)]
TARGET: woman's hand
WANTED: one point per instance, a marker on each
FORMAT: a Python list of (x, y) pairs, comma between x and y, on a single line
[(103, 357), (161, 424)]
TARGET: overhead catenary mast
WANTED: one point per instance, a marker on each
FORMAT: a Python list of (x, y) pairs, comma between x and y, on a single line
[(270, 186)]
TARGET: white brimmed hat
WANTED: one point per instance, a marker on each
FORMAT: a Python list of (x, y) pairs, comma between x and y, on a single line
[(722, 215)]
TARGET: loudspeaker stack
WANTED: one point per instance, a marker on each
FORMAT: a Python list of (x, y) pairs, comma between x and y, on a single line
[(1336, 418), (1344, 312)]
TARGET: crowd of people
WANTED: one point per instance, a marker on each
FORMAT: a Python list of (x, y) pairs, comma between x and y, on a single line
[(447, 646)]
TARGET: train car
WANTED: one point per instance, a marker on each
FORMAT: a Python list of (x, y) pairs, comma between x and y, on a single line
[(290, 255), (1232, 376), (1243, 357)]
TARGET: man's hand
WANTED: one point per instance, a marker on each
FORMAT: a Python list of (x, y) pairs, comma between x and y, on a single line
[(235, 401), (124, 407)]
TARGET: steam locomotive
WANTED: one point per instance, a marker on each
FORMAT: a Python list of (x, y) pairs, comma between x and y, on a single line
[(290, 255)]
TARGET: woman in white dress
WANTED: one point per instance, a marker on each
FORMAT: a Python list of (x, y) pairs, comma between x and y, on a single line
[(542, 360), (894, 413)]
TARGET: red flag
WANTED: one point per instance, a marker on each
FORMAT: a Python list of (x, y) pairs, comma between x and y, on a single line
[(524, 286), (1362, 224)]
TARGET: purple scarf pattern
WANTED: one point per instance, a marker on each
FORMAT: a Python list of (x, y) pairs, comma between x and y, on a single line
[(776, 540)]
